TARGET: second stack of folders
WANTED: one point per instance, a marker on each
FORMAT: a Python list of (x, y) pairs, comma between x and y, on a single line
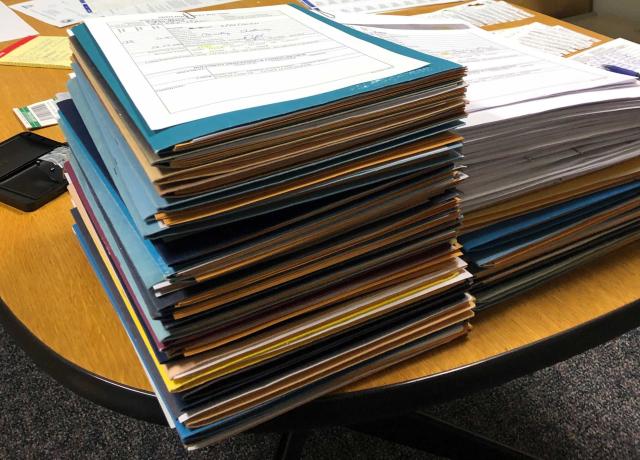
[(552, 150), (272, 218), (554, 182)]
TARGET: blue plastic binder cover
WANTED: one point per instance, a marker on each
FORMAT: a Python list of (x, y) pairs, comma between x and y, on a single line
[(72, 117), (168, 137), (151, 266), (149, 263), (500, 230), (159, 331), (160, 355), (67, 107), (143, 200)]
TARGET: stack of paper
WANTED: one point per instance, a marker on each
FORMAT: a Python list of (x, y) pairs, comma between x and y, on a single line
[(269, 199), (554, 182), (552, 150), (552, 189), (515, 150), (334, 7)]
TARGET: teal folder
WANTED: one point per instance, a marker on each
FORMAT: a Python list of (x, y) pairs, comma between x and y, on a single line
[(165, 139)]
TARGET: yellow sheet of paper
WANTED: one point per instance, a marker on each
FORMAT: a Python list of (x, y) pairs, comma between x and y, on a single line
[(41, 51)]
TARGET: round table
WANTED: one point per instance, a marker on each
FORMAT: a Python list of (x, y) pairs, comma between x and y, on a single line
[(54, 306)]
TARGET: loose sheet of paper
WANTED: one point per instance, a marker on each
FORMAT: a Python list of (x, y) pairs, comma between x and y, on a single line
[(183, 67), (482, 13), (13, 27), (620, 52), (61, 13), (499, 72), (556, 40), (58, 13), (114, 7), (40, 51), (367, 6)]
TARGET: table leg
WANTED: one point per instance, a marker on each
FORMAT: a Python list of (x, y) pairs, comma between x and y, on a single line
[(290, 446), (424, 432)]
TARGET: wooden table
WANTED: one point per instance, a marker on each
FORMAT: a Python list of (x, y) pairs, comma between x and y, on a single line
[(58, 311)]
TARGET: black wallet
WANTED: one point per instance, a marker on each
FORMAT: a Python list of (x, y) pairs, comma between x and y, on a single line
[(31, 170)]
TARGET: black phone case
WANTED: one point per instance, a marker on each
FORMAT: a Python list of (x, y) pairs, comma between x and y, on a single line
[(26, 183)]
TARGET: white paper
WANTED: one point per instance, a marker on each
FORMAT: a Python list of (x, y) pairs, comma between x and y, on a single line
[(556, 40), (182, 67), (115, 7), (62, 13), (13, 27), (499, 72), (482, 13), (367, 6), (543, 105), (530, 179), (619, 52), (518, 148), (58, 13)]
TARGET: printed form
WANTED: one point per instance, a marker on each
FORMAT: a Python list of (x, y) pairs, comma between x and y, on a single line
[(179, 67), (367, 6), (620, 52), (556, 40), (481, 13), (499, 72), (61, 13)]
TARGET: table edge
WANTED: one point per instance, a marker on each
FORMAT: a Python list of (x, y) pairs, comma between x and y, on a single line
[(349, 407), (134, 402)]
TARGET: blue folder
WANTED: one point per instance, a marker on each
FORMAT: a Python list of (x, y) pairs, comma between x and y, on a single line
[(166, 138), (159, 329), (151, 267)]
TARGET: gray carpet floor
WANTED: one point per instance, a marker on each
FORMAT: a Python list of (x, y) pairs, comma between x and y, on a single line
[(586, 407)]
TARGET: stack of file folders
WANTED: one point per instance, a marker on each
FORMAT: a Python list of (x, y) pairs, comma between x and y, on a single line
[(263, 256), (551, 148), (553, 184)]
